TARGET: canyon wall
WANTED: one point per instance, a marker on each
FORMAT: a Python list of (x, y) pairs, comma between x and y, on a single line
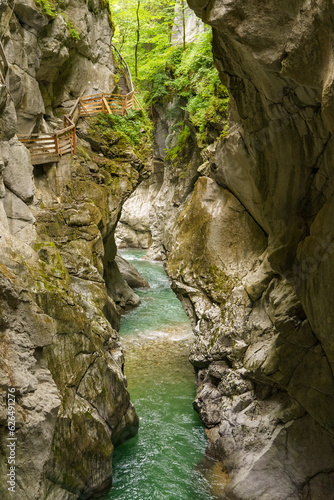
[(258, 247), (187, 26), (61, 292), (246, 229)]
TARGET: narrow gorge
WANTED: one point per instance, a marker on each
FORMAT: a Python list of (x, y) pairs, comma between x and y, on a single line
[(236, 205)]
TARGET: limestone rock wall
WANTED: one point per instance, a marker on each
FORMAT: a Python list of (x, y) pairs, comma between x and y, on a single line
[(61, 292), (246, 228), (149, 215), (192, 24), (50, 64), (262, 312)]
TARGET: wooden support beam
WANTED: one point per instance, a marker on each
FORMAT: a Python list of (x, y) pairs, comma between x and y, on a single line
[(56, 144), (106, 106), (73, 110), (74, 141), (84, 108), (138, 103)]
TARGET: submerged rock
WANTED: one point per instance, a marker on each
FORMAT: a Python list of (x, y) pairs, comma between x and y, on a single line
[(133, 278)]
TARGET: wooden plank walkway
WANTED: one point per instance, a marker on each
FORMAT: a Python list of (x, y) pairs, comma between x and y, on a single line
[(49, 148)]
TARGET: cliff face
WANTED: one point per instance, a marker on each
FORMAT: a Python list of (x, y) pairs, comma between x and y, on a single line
[(61, 291), (247, 233), (263, 311), (55, 58), (185, 20), (148, 217)]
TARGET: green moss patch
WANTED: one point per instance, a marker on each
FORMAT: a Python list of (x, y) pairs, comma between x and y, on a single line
[(116, 134)]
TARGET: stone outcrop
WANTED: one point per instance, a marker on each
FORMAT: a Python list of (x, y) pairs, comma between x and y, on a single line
[(133, 278), (263, 349), (133, 229), (149, 215), (185, 19), (59, 330), (61, 292), (246, 229), (64, 56)]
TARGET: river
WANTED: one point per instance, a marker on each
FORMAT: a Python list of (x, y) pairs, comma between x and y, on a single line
[(165, 461)]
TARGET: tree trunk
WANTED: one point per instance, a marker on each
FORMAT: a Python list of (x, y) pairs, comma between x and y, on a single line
[(184, 24), (137, 42)]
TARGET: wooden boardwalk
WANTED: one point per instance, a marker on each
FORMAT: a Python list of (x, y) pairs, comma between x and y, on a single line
[(49, 148), (3, 65)]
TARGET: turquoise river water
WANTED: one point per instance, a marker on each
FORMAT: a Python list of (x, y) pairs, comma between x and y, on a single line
[(165, 461)]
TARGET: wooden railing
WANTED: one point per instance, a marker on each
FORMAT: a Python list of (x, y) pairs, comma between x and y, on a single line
[(3, 65), (124, 68), (47, 148), (107, 103)]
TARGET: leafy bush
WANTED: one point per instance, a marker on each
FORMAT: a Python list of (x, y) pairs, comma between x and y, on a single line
[(48, 7), (190, 74), (72, 31), (134, 128), (183, 137)]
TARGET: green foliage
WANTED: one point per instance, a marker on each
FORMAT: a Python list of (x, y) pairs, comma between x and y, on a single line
[(48, 7), (183, 137), (190, 74), (51, 7), (132, 128), (156, 21), (72, 31), (166, 71)]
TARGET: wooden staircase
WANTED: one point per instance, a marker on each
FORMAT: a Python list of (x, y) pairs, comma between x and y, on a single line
[(123, 86)]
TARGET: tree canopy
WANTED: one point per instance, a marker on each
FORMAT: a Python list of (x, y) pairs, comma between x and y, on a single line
[(152, 35), (163, 70)]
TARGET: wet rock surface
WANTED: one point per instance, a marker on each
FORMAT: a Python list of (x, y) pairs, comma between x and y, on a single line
[(246, 230), (272, 328), (59, 332), (59, 306), (133, 278)]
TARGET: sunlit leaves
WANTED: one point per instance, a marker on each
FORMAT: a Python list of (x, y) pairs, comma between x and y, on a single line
[(156, 21), (166, 71)]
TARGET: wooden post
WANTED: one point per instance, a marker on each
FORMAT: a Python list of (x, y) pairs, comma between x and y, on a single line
[(74, 141), (125, 105), (103, 105), (106, 106), (56, 144)]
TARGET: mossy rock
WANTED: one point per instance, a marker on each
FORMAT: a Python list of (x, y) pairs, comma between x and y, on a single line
[(203, 254)]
